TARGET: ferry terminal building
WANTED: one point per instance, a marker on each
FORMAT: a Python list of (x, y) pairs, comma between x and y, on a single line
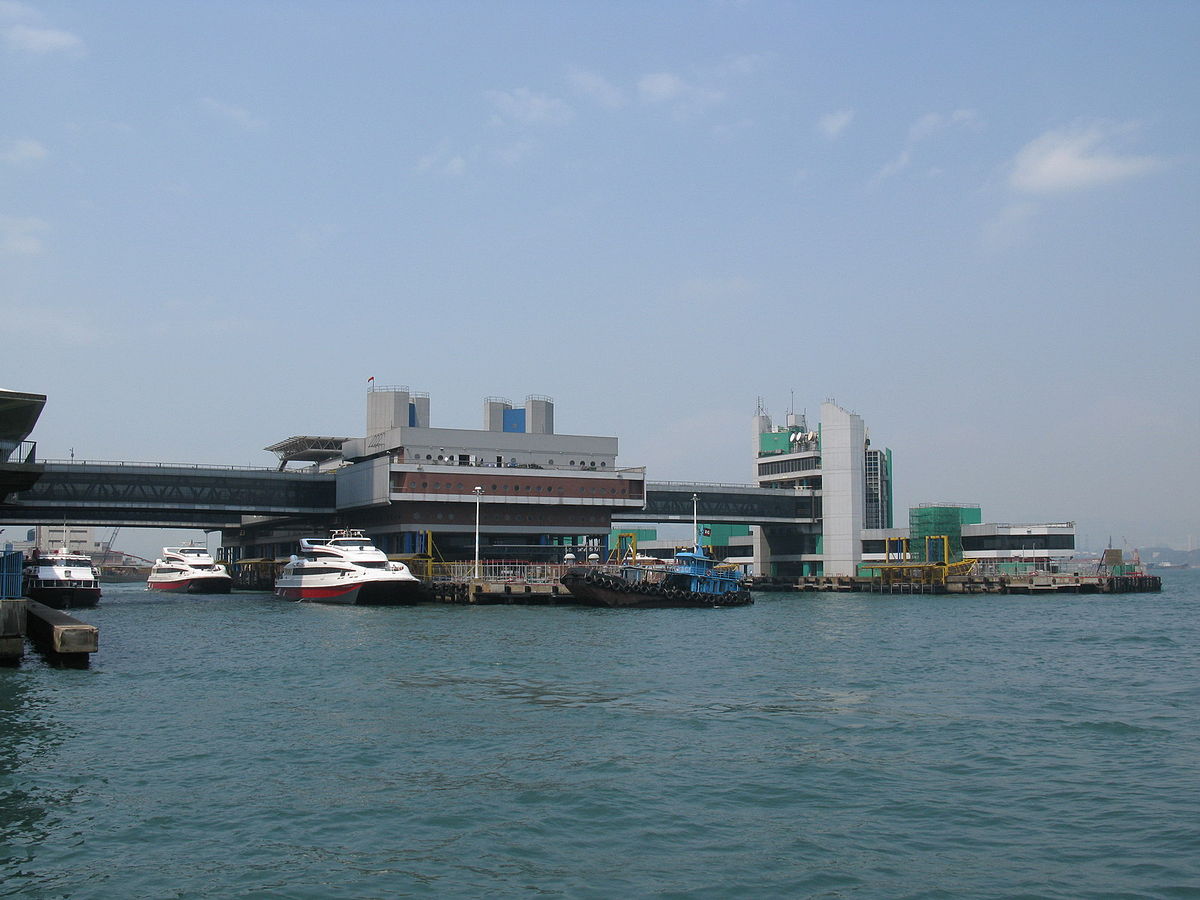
[(416, 489)]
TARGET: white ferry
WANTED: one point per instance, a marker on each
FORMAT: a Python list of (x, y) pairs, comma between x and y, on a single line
[(61, 579), (188, 570), (346, 568)]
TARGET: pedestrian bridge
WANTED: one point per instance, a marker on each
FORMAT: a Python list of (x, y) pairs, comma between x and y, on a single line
[(167, 495), (173, 495)]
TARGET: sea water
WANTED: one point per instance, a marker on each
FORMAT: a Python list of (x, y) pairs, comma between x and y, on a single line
[(810, 745)]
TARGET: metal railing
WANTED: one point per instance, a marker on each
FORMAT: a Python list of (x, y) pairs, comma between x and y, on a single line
[(506, 572), (451, 461), (174, 465), (11, 565), (25, 453), (696, 485)]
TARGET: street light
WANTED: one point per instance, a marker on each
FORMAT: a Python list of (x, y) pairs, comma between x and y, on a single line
[(478, 492)]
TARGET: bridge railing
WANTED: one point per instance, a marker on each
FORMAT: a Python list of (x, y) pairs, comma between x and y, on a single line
[(171, 465)]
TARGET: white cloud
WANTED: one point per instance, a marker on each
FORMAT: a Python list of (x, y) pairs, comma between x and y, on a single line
[(931, 123), (21, 151), (22, 28), (516, 152), (1074, 158), (1009, 227), (597, 88), (896, 165), (684, 97), (243, 118), (927, 126), (11, 11), (831, 125), (660, 87), (442, 161), (747, 64), (524, 106), (21, 237)]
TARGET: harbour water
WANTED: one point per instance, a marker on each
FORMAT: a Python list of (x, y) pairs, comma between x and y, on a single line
[(815, 745)]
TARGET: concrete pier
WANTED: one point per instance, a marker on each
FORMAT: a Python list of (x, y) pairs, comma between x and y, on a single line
[(486, 591), (12, 630), (57, 633)]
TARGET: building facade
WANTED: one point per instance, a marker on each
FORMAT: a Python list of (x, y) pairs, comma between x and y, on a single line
[(848, 483), (415, 488)]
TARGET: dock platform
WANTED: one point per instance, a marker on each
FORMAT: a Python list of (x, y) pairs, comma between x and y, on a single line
[(488, 591)]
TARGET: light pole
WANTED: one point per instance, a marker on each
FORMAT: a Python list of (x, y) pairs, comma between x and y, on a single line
[(478, 492)]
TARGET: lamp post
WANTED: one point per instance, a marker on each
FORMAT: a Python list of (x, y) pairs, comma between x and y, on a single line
[(696, 520), (478, 492)]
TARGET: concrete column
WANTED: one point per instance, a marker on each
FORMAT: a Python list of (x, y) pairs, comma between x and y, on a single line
[(843, 484)]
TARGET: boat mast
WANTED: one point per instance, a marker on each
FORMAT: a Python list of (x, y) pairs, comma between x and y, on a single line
[(696, 521)]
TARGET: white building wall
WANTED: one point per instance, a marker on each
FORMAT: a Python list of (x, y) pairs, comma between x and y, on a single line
[(364, 484), (386, 409), (843, 436)]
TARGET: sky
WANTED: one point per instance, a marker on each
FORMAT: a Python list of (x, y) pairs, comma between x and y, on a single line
[(974, 224)]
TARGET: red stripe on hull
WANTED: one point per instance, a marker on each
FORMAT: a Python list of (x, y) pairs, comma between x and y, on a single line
[(205, 584), (168, 585), (319, 593)]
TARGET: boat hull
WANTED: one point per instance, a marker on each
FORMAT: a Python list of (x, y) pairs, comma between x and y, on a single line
[(212, 584), (363, 593), (65, 597), (592, 589)]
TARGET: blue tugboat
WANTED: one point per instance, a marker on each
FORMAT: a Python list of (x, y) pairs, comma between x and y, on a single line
[(694, 580)]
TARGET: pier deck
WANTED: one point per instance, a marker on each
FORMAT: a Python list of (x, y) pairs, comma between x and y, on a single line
[(1036, 583)]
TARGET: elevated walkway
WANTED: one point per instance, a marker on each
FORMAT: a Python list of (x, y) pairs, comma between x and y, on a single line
[(175, 495)]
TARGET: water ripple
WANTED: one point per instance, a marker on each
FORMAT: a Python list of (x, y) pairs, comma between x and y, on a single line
[(811, 746)]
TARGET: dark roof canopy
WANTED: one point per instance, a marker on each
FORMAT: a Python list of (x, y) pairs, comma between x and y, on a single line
[(18, 414), (308, 448)]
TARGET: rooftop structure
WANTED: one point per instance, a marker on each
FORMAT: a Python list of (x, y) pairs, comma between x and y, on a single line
[(849, 484), (307, 448), (415, 487)]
